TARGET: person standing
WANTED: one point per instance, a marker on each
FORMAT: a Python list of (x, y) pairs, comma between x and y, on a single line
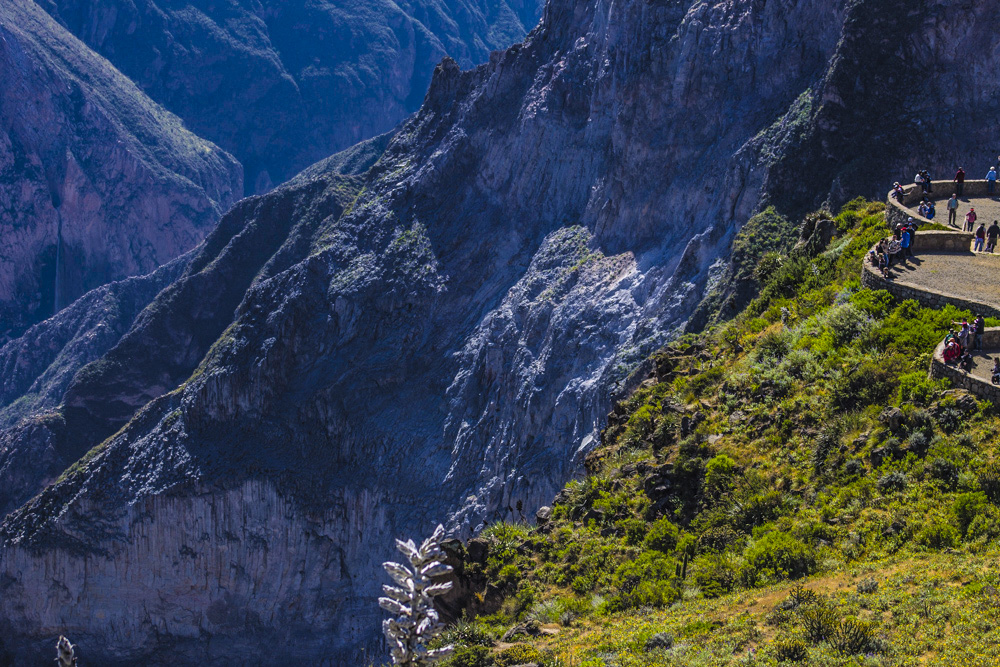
[(991, 236), (970, 219), (919, 180), (905, 239), (959, 181), (953, 211), (980, 237), (978, 327), (927, 181), (991, 180)]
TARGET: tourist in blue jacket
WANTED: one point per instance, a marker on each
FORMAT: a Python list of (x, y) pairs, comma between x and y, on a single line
[(991, 179)]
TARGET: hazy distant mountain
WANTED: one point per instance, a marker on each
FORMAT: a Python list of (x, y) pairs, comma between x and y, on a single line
[(97, 182), (283, 83)]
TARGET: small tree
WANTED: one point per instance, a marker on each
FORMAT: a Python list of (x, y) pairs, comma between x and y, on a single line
[(410, 601), (65, 652)]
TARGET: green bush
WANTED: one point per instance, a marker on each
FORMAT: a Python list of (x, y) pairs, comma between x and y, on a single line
[(470, 656), (967, 507), (647, 581), (938, 535), (634, 529), (791, 650), (777, 556), (662, 536), (518, 654), (866, 383), (719, 472)]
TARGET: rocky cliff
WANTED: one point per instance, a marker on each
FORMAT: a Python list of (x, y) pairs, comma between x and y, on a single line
[(445, 346), (97, 183), (284, 83)]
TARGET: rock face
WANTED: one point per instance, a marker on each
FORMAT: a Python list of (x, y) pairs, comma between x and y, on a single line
[(443, 347), (284, 83), (97, 183)]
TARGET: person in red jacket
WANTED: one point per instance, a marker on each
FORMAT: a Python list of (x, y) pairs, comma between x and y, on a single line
[(959, 181)]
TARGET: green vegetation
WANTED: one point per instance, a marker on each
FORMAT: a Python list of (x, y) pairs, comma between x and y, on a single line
[(791, 488)]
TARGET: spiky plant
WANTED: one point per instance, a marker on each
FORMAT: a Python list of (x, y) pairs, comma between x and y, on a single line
[(65, 652), (416, 621)]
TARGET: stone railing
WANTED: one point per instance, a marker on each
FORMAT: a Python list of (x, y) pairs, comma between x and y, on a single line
[(898, 211), (980, 387)]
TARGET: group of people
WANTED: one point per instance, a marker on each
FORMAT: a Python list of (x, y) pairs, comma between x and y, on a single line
[(894, 248), (958, 344), (987, 236)]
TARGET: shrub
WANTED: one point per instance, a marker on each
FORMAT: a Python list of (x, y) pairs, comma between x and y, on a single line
[(819, 622), (470, 656), (634, 529), (715, 576), (719, 472), (867, 383), (945, 472), (893, 481), (777, 556), (646, 581), (967, 507), (662, 536), (989, 482), (518, 654), (791, 650), (918, 388), (938, 535), (853, 637)]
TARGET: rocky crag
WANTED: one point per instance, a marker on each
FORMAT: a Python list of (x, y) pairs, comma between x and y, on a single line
[(283, 83), (445, 345), (97, 182)]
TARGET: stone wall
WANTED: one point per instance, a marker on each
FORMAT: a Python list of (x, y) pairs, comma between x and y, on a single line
[(962, 380), (898, 211)]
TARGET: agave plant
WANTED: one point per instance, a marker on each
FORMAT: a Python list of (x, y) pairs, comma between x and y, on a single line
[(416, 621), (65, 652)]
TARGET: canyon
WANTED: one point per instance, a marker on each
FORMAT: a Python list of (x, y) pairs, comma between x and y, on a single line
[(434, 325)]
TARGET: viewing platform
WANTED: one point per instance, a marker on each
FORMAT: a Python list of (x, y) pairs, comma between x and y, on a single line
[(976, 194), (946, 271)]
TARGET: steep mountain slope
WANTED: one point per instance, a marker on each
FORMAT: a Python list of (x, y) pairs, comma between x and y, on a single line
[(96, 182), (51, 413), (284, 83), (446, 346), (37, 368)]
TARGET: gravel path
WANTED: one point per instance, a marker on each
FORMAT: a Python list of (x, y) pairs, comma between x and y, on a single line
[(987, 210), (974, 276)]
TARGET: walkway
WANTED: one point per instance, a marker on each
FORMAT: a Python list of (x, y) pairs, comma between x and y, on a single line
[(987, 209), (971, 277)]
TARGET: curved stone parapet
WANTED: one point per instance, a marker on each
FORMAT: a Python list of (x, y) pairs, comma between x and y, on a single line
[(960, 379), (898, 211)]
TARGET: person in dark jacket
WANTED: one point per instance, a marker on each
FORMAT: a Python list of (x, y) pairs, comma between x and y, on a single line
[(991, 236), (959, 181), (978, 327), (980, 237)]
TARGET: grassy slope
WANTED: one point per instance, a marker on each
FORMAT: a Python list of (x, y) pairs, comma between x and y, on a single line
[(763, 452)]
